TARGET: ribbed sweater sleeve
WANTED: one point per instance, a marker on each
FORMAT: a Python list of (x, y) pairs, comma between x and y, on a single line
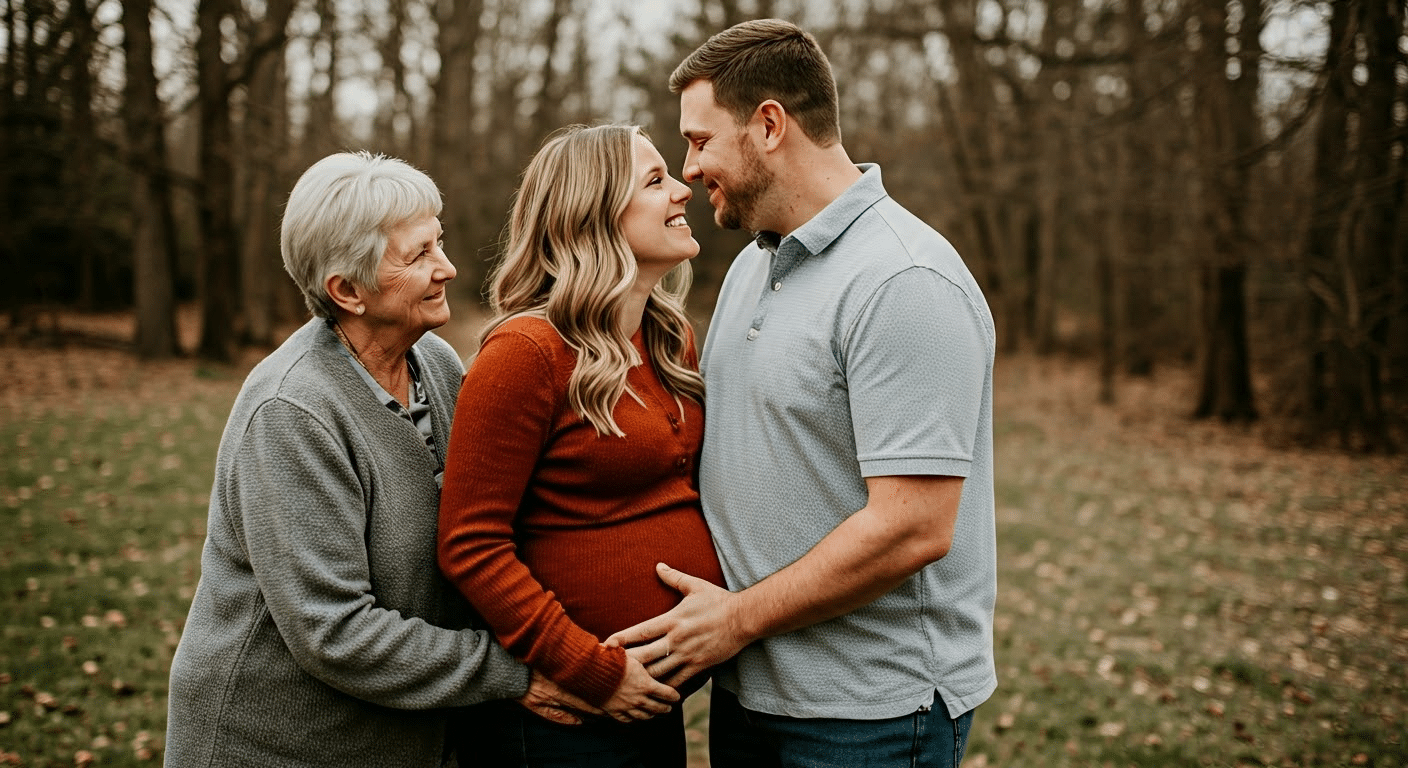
[(507, 407)]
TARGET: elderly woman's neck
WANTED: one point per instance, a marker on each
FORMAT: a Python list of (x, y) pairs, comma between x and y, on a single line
[(383, 354)]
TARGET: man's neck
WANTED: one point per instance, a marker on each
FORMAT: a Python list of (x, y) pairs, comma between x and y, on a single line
[(813, 180)]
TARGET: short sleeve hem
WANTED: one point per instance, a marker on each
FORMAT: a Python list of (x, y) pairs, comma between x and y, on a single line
[(918, 465)]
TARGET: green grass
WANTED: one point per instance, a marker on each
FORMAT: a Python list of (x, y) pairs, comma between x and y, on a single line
[(1169, 595), (103, 504)]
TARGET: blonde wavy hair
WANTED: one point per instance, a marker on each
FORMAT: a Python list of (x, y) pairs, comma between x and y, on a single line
[(566, 260)]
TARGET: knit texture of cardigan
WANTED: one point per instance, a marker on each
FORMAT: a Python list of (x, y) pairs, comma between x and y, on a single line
[(553, 530), (322, 631)]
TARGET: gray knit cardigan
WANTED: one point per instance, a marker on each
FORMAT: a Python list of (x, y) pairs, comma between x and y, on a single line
[(322, 633)]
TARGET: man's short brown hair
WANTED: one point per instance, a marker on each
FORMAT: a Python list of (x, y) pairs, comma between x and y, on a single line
[(752, 62)]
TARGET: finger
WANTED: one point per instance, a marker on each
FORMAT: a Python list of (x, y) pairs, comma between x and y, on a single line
[(574, 704), (681, 675), (665, 668), (662, 692), (650, 652), (672, 578), (559, 716), (655, 707), (645, 631)]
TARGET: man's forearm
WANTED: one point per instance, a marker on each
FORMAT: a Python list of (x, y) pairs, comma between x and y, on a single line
[(865, 557)]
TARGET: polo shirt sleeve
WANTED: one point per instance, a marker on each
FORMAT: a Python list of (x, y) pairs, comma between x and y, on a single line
[(916, 358)]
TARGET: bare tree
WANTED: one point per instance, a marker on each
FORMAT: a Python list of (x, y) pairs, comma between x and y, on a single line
[(153, 226), (1228, 130), (1351, 270), (265, 144), (456, 163), (219, 252)]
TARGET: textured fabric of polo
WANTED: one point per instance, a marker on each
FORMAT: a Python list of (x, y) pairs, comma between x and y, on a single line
[(322, 633), (861, 348)]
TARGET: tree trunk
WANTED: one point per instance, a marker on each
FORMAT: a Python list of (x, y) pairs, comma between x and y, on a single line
[(266, 142), (1380, 186), (1225, 390), (219, 254), (1229, 135), (393, 124), (320, 134), (79, 169), (455, 162), (1110, 257), (153, 226)]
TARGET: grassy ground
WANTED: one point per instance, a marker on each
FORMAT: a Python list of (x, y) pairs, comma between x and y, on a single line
[(1171, 593)]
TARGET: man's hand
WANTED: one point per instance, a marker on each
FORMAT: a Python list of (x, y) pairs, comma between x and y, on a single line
[(699, 633), (550, 701)]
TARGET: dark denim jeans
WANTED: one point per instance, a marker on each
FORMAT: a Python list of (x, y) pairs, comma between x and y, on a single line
[(742, 738), (506, 735)]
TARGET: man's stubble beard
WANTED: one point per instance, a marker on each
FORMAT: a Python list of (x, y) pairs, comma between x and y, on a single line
[(740, 206)]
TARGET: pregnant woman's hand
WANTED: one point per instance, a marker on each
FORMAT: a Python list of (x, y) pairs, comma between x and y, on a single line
[(640, 696)]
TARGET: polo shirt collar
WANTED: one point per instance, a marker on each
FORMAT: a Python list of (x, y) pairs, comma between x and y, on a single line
[(817, 234)]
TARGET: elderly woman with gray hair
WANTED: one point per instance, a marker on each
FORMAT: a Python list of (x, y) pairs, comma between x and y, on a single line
[(322, 633)]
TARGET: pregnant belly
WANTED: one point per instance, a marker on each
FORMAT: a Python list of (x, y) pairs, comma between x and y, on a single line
[(604, 576)]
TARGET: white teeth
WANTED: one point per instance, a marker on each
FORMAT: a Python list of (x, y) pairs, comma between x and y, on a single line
[(677, 221)]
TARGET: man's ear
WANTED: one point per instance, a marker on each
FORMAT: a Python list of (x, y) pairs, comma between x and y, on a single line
[(773, 121), (345, 294)]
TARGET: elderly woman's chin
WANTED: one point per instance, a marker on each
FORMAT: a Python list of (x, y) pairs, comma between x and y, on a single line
[(435, 310)]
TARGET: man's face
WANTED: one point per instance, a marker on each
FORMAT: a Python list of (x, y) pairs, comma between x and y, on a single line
[(722, 156)]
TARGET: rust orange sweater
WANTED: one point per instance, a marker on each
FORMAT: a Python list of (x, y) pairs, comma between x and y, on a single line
[(553, 531)]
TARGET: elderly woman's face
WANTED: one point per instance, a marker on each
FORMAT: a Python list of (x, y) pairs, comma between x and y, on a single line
[(411, 279)]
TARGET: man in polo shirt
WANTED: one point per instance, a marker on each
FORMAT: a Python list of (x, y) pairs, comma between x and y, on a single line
[(846, 472)]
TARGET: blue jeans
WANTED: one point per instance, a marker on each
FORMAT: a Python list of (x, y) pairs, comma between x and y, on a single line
[(505, 735), (742, 738)]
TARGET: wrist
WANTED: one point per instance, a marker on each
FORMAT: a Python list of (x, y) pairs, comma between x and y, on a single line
[(743, 618)]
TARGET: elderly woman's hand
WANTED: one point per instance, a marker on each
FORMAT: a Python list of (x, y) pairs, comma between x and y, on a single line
[(550, 701), (640, 696)]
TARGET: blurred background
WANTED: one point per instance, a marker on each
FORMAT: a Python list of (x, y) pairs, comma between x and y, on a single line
[(1210, 185)]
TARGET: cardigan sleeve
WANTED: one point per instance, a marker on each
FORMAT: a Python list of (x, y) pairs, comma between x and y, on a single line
[(503, 420), (304, 521)]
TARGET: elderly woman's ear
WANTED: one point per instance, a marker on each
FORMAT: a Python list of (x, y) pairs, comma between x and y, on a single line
[(345, 294)]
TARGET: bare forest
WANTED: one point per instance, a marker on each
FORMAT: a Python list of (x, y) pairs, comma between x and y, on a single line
[(1215, 186)]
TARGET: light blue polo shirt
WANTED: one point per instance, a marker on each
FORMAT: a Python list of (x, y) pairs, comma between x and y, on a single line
[(861, 348)]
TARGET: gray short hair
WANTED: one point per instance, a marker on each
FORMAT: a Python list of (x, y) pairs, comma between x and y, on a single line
[(338, 215)]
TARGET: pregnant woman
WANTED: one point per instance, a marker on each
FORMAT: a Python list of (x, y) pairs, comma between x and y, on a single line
[(571, 468)]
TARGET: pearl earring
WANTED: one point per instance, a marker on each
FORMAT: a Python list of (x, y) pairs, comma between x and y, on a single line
[(361, 309)]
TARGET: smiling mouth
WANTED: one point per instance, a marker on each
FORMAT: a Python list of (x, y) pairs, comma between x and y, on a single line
[(677, 221)]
